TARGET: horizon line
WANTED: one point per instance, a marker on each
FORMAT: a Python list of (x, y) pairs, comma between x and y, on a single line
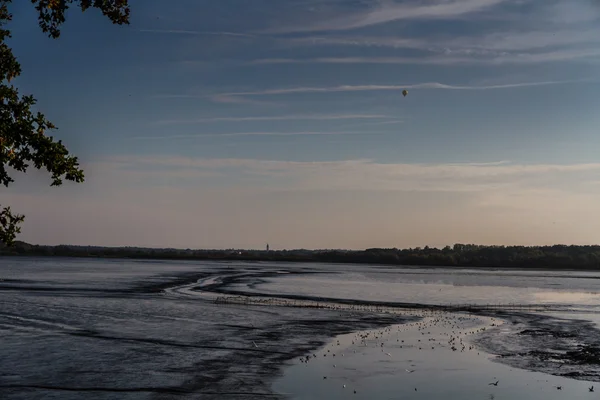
[(418, 248)]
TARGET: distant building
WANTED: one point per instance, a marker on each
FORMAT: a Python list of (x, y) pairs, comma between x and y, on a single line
[(267, 246)]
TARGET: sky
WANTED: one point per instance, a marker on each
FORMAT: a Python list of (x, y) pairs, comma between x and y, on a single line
[(232, 124)]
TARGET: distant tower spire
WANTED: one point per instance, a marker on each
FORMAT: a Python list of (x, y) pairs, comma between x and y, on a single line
[(267, 246)]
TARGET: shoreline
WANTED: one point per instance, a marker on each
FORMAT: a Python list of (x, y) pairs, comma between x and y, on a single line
[(259, 261), (565, 347), (194, 346), (314, 334), (241, 374), (527, 352), (557, 256)]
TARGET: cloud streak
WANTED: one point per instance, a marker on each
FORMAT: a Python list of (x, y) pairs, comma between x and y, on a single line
[(552, 31), (239, 100), (366, 174), (467, 57), (234, 134), (367, 60), (424, 86), (389, 12), (198, 33), (331, 117), (153, 200), (490, 43)]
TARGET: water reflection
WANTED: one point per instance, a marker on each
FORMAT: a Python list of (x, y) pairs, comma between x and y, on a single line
[(438, 287), (561, 297), (426, 360)]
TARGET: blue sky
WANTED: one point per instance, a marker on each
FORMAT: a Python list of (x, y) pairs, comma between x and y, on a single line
[(234, 123)]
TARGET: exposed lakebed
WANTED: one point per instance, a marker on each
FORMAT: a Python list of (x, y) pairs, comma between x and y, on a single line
[(150, 329)]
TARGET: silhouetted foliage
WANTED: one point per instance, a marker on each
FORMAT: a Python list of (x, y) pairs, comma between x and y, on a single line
[(23, 139), (460, 255), (9, 225)]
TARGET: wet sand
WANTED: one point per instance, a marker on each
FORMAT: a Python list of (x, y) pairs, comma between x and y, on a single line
[(433, 358), (163, 337), (567, 347), (536, 342)]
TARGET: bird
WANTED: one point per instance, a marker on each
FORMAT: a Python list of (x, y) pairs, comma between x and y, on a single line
[(591, 388), (494, 383), (410, 371), (559, 388)]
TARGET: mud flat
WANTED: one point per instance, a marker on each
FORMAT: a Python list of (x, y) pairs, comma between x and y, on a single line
[(433, 358), (95, 329), (559, 346)]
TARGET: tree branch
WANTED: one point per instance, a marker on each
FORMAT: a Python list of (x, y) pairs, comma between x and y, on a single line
[(9, 226)]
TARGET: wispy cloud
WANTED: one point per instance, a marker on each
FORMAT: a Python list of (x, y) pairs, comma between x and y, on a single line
[(314, 117), (365, 174), (551, 30), (449, 58), (201, 33), (359, 41), (390, 11), (576, 12), (487, 44), (548, 56), (426, 85), (218, 98), (176, 96), (367, 60), (239, 100), (524, 39), (510, 47), (230, 134), (395, 121), (153, 200), (393, 12)]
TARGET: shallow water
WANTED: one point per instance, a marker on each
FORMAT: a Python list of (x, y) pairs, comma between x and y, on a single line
[(368, 370), (123, 329), (440, 285)]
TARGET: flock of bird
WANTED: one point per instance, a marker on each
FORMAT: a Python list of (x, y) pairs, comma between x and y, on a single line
[(451, 334)]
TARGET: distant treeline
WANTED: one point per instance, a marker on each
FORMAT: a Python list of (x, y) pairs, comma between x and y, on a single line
[(464, 255)]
